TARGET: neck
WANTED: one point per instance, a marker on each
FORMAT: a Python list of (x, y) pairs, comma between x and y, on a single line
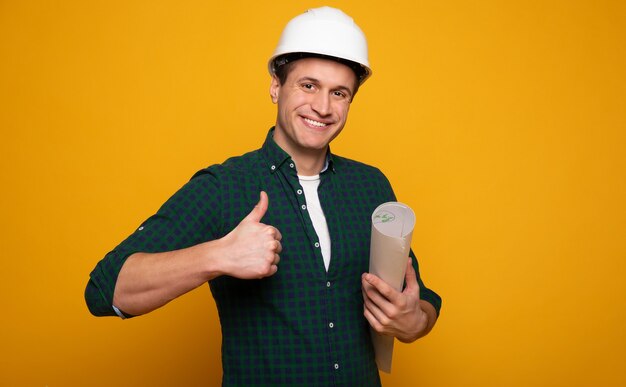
[(309, 161), (310, 164)]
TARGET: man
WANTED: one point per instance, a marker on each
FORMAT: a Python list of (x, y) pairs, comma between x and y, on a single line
[(287, 274)]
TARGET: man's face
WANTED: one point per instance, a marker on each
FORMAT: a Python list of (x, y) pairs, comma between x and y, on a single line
[(313, 105)]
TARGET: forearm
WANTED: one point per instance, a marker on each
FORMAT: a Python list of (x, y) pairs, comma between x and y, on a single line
[(149, 281)]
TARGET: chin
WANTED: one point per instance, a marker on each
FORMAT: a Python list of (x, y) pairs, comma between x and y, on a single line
[(314, 146), (316, 143)]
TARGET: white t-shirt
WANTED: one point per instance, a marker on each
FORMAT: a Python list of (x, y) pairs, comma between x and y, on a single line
[(309, 185)]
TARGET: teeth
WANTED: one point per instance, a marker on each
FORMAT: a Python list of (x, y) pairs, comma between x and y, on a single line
[(315, 123)]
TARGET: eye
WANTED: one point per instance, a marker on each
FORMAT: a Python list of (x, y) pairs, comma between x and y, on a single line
[(341, 95), (308, 86)]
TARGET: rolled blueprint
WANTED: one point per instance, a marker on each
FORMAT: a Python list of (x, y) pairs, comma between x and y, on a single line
[(392, 229)]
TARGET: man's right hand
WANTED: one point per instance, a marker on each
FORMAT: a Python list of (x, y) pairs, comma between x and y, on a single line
[(148, 281), (252, 249)]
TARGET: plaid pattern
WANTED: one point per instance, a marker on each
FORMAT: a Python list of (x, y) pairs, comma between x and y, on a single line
[(303, 325)]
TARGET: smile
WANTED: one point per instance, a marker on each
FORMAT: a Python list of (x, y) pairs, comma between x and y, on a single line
[(315, 123)]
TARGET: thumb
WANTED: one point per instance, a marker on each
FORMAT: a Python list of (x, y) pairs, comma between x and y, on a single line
[(410, 278), (259, 210)]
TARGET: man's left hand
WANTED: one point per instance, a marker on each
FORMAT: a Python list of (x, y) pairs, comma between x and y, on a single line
[(394, 313)]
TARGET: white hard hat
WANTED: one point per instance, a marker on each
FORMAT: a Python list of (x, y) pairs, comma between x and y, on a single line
[(324, 31)]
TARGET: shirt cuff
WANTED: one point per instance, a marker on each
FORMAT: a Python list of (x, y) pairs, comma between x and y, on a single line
[(119, 312)]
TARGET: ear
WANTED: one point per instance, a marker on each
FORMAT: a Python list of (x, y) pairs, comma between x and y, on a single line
[(274, 88)]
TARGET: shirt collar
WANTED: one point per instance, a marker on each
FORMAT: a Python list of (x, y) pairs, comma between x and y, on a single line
[(275, 156)]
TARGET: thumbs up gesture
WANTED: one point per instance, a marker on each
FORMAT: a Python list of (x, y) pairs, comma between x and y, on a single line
[(253, 248)]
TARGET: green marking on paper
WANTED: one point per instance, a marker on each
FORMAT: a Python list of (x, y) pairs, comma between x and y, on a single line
[(384, 217)]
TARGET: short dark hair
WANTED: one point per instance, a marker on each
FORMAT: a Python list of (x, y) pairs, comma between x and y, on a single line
[(284, 63)]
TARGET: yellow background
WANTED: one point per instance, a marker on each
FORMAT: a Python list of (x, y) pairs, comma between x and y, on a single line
[(501, 123)]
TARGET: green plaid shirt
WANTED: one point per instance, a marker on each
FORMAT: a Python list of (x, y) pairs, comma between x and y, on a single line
[(303, 325)]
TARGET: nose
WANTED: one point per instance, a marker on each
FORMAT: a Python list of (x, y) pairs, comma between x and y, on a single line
[(321, 104)]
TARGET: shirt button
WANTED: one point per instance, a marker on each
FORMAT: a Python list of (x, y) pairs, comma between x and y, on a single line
[(331, 325), (140, 228), (273, 167), (336, 366), (291, 165), (328, 284), (317, 244), (299, 192), (304, 207)]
